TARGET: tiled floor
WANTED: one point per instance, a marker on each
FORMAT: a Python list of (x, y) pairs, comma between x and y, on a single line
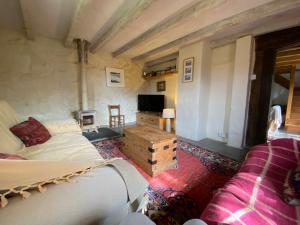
[(220, 147)]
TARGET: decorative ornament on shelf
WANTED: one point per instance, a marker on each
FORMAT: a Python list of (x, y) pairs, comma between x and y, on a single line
[(168, 114)]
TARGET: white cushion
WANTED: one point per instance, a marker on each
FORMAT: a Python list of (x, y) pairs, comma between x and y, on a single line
[(62, 126), (9, 143), (8, 115), (68, 146)]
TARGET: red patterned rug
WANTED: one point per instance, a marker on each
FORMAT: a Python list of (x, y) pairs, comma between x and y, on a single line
[(178, 195)]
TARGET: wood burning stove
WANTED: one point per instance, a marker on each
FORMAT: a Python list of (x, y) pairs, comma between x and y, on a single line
[(87, 120)]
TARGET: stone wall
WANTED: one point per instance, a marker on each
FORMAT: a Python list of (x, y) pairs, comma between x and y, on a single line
[(41, 78)]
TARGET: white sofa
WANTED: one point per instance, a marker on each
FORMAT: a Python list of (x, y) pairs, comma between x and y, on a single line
[(99, 197), (66, 143)]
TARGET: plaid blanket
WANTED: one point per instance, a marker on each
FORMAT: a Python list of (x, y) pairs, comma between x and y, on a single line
[(254, 195)]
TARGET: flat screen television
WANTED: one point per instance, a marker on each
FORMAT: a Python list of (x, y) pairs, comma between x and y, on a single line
[(151, 103)]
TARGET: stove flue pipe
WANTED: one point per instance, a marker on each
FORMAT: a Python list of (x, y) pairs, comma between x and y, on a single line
[(82, 50)]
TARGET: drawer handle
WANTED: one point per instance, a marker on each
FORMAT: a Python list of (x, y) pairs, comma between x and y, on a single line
[(175, 141), (151, 149), (152, 162), (174, 149), (174, 158), (166, 147)]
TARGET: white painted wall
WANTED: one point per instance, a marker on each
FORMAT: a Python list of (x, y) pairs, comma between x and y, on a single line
[(192, 97), (150, 87), (279, 94), (222, 66), (242, 69), (214, 105), (41, 78)]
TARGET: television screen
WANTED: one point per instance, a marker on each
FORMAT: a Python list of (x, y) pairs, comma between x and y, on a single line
[(151, 103)]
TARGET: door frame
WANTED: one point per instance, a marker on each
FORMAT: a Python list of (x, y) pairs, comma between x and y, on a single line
[(266, 47)]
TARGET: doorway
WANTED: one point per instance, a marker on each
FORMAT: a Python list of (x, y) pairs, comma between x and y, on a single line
[(284, 111), (266, 48)]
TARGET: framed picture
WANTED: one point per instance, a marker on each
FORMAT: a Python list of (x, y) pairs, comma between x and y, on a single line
[(161, 86), (188, 69), (114, 77)]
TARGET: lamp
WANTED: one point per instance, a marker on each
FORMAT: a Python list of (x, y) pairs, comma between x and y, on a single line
[(168, 114)]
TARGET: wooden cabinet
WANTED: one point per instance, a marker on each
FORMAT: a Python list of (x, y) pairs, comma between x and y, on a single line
[(152, 149), (150, 119)]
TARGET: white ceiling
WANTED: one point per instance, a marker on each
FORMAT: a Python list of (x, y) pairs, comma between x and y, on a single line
[(147, 29)]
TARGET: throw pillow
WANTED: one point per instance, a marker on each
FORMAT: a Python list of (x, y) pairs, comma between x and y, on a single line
[(291, 192), (11, 156), (31, 132)]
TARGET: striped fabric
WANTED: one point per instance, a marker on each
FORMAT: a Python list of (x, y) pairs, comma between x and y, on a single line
[(255, 194)]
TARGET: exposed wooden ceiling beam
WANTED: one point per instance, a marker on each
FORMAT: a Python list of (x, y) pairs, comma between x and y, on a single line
[(162, 59), (288, 63), (70, 37), (288, 58), (27, 19), (288, 53), (264, 29), (125, 18), (169, 22), (248, 16)]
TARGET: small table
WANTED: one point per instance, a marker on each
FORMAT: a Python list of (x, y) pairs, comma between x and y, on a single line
[(152, 149)]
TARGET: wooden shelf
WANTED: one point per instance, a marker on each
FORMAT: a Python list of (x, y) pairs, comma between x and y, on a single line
[(159, 76)]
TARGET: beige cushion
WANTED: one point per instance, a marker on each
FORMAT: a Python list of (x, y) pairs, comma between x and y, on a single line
[(68, 146), (9, 143), (8, 115)]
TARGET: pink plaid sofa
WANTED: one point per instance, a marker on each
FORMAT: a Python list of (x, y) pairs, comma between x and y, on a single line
[(254, 195)]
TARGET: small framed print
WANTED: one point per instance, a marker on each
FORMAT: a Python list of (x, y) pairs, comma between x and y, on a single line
[(188, 69), (161, 86), (114, 77)]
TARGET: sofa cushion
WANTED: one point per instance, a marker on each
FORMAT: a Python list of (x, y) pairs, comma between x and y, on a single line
[(11, 156), (291, 192), (31, 132), (68, 146), (8, 115), (62, 126), (92, 199), (9, 143)]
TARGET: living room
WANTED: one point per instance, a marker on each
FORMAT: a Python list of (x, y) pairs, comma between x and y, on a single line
[(189, 81)]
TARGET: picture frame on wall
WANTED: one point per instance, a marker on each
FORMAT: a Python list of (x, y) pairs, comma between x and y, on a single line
[(114, 77), (188, 69), (160, 86)]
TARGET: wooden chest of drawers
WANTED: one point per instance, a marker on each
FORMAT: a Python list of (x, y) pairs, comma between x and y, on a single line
[(149, 119), (152, 149)]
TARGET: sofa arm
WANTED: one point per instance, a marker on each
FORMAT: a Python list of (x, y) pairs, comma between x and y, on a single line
[(62, 126)]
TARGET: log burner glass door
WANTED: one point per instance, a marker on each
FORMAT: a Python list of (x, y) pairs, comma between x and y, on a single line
[(88, 120)]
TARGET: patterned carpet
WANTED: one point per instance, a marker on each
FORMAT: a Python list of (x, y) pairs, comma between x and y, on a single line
[(180, 194)]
